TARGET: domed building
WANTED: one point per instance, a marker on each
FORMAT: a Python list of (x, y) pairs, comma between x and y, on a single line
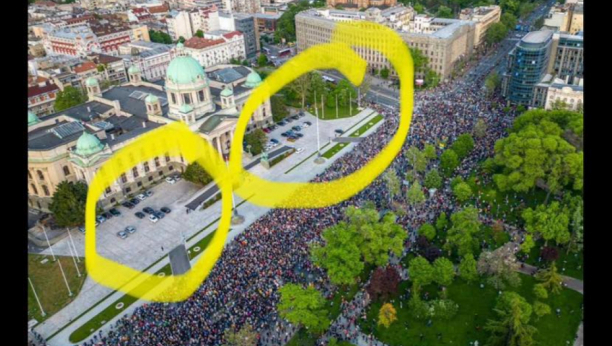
[(72, 144)]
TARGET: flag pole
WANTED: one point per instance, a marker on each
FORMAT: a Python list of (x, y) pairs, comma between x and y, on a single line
[(42, 311)]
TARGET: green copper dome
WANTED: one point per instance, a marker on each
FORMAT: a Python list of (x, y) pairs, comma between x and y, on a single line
[(133, 69), (151, 99), (185, 108), (180, 45), (32, 118), (227, 92), (185, 70), (91, 81), (88, 144), (253, 80)]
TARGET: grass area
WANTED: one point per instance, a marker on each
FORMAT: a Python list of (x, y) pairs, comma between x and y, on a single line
[(126, 300), (50, 286), (367, 126), (330, 112), (475, 308), (334, 150), (572, 262)]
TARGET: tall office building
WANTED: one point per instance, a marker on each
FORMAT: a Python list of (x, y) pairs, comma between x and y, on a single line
[(244, 23), (567, 57), (527, 64)]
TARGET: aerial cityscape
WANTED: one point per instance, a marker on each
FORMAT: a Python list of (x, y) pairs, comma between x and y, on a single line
[(410, 173)]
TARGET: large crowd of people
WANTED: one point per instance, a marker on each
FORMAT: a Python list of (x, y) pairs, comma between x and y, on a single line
[(243, 286)]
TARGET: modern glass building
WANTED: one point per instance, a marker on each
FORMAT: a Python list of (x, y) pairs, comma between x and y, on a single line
[(527, 64)]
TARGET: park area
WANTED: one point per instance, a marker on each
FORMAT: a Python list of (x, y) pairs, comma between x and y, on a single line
[(475, 308), (50, 286)]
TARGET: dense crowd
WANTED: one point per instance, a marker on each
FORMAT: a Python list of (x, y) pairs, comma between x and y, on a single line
[(243, 286)]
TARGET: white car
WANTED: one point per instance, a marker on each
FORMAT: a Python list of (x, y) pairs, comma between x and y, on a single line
[(305, 125), (141, 197), (170, 180), (299, 150), (153, 218)]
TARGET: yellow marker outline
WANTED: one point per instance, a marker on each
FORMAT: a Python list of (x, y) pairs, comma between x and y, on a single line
[(176, 138)]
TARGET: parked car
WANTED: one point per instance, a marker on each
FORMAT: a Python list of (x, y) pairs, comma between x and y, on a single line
[(299, 135), (148, 193), (339, 131), (281, 123), (108, 216), (122, 234), (115, 212), (135, 201), (266, 130), (299, 150), (176, 177), (100, 218), (170, 180), (301, 114), (273, 127), (296, 128), (284, 134), (153, 218), (273, 140), (130, 229), (159, 214), (141, 197), (307, 123), (166, 210), (304, 125), (295, 117), (82, 229), (128, 205), (288, 119), (148, 210), (140, 215)]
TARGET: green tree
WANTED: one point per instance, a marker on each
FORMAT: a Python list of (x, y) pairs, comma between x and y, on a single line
[(417, 307), (199, 34), (419, 60), (285, 26), (303, 307), (512, 326), (196, 174), (441, 222), (257, 140), (433, 180), (384, 72), (279, 110), (421, 272), (536, 152), (443, 271), (432, 79), (462, 234), (387, 315), (262, 60), (527, 244), (340, 256), (419, 8), (415, 195), (550, 221), (492, 83), (449, 161), (463, 145), (550, 279), (246, 336), (428, 231), (467, 268), (301, 86), (68, 203), (417, 159), (181, 39), (480, 129), (509, 20), (576, 241), (69, 97), (444, 12), (462, 192), (540, 291), (392, 182), (540, 309), (430, 152), (496, 33)]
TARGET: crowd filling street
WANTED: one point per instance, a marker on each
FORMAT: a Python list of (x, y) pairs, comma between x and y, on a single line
[(243, 286)]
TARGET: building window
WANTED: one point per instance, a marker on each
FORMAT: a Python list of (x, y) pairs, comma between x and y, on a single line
[(128, 190), (201, 95), (161, 173), (135, 172), (139, 184), (157, 162), (66, 171), (108, 190), (167, 158), (34, 189), (173, 98), (187, 99), (46, 190), (146, 167), (113, 200), (123, 178), (40, 175), (170, 168), (150, 178)]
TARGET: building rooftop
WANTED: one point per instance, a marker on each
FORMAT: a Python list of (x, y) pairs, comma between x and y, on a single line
[(537, 36), (201, 43), (84, 112), (54, 135), (131, 98), (39, 90), (229, 74)]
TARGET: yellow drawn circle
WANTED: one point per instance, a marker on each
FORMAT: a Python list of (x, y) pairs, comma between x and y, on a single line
[(176, 139)]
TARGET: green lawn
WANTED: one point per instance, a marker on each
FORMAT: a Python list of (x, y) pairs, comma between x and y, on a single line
[(330, 112), (366, 126), (50, 286), (112, 311), (572, 262), (475, 308), (334, 150)]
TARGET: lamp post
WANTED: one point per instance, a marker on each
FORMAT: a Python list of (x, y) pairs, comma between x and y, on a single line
[(236, 218), (319, 160)]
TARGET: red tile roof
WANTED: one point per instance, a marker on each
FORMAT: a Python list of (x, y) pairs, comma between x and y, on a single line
[(201, 43), (84, 67), (39, 90), (159, 9), (229, 35)]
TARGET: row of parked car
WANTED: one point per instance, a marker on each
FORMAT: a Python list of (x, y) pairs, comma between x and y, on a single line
[(154, 215), (291, 118)]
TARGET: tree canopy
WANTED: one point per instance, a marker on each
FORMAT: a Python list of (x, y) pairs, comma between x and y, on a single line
[(257, 140), (196, 174), (303, 306), (69, 97), (549, 221), (68, 203), (463, 232), (512, 326)]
